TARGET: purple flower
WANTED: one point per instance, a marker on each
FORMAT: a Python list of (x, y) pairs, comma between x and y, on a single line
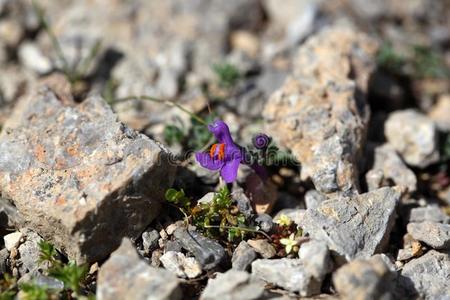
[(261, 141), (224, 156)]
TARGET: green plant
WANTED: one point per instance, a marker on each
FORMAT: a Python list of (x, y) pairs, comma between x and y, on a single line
[(445, 148), (47, 252), (199, 135), (218, 218), (34, 292), (173, 134), (388, 59), (72, 275), (227, 74), (76, 71), (427, 63), (178, 198), (8, 287)]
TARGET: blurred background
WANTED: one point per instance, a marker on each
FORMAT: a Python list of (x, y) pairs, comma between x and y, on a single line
[(229, 56)]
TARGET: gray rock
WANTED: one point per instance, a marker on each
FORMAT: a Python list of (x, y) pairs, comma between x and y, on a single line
[(180, 265), (264, 221), (233, 285), (263, 247), (31, 57), (320, 112), (414, 136), (357, 226), (316, 259), (243, 256), (243, 203), (29, 252), (150, 239), (389, 166), (173, 246), (365, 279), (4, 254), (313, 199), (12, 240), (289, 274), (78, 176), (208, 252), (436, 235), (430, 213), (125, 276), (427, 276)]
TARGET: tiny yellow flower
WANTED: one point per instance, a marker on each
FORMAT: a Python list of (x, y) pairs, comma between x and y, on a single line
[(289, 243), (284, 220)]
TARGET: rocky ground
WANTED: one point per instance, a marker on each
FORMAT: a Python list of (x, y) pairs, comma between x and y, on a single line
[(103, 104)]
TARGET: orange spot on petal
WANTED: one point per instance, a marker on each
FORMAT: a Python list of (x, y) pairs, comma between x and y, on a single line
[(222, 151), (213, 150)]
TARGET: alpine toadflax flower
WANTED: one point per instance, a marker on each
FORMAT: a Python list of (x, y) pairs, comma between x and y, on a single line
[(224, 155)]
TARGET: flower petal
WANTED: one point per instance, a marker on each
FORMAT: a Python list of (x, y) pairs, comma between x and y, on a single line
[(221, 131), (206, 161), (229, 170)]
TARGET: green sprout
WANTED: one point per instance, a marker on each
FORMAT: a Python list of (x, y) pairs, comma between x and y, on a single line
[(70, 274), (173, 135), (219, 219), (427, 63), (227, 74), (389, 59), (34, 292)]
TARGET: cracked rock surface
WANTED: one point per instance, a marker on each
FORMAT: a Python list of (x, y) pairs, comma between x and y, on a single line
[(79, 177), (320, 112)]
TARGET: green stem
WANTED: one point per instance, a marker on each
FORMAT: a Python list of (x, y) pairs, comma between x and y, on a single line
[(166, 102), (42, 20), (239, 228)]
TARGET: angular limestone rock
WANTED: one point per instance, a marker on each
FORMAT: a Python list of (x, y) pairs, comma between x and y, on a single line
[(290, 274), (365, 279), (357, 226), (427, 276), (125, 276), (233, 285), (436, 235), (320, 112), (414, 136), (79, 177), (388, 166)]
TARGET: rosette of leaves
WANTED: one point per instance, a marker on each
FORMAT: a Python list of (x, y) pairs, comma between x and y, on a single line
[(219, 219)]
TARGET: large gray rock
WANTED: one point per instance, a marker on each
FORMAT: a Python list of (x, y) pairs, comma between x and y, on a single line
[(78, 176), (125, 276), (320, 112), (414, 136), (209, 253), (289, 274), (389, 166), (233, 285), (365, 279), (436, 235), (427, 276), (357, 226)]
